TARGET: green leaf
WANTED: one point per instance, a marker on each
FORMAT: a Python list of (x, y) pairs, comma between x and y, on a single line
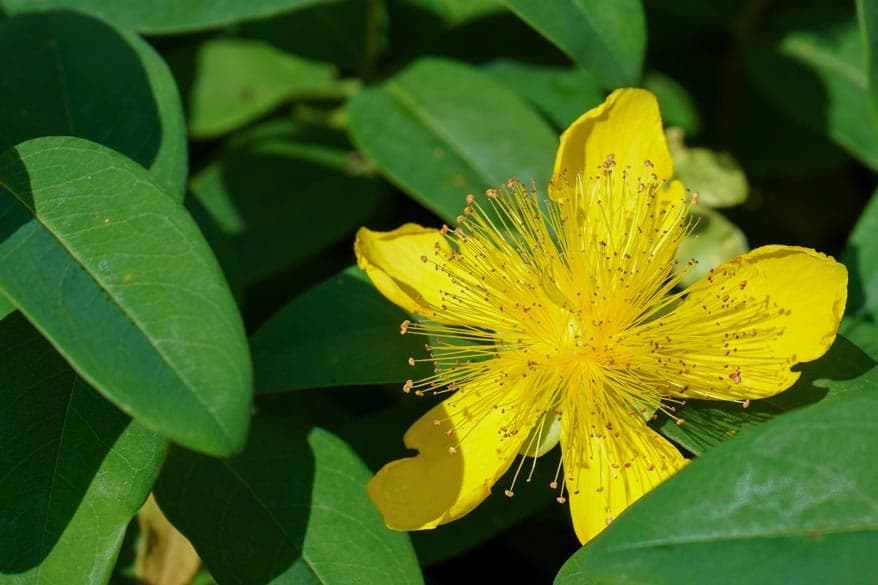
[(340, 333), (789, 502), (863, 333), (867, 16), (562, 94), (69, 74), (713, 241), (607, 38), (6, 307), (677, 106), (294, 510), (861, 258), (75, 469), (824, 84), (716, 176), (237, 81), (457, 12), (282, 196), (164, 16), (442, 129), (117, 276), (709, 423)]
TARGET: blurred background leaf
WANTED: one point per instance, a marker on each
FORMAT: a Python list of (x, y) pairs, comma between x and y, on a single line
[(163, 16), (608, 39)]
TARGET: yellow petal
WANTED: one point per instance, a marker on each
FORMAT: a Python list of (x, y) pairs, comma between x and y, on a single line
[(458, 460), (610, 461), (741, 328), (398, 264), (627, 125)]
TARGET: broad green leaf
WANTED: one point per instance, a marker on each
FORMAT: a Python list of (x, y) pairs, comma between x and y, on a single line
[(74, 468), (456, 12), (607, 38), (69, 74), (709, 423), (340, 333), (5, 306), (236, 81), (789, 502), (863, 333), (116, 275), (677, 106), (281, 196), (824, 84), (713, 241), (867, 16), (861, 258), (292, 508), (442, 129), (563, 94), (164, 16)]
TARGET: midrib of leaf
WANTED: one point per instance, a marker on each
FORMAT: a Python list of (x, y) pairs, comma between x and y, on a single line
[(45, 529), (280, 527), (135, 323), (406, 99), (810, 53), (596, 31)]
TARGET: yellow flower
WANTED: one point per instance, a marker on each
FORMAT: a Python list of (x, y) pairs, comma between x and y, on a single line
[(561, 319)]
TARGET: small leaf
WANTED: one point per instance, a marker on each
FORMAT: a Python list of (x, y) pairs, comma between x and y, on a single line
[(716, 176), (163, 16), (237, 81), (117, 276), (607, 38), (295, 511), (340, 333), (69, 74), (442, 129), (788, 502), (861, 258), (563, 94), (75, 469), (713, 241)]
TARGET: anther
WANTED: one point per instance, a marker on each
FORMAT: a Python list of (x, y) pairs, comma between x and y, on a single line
[(509, 493), (411, 361), (407, 387), (404, 327)]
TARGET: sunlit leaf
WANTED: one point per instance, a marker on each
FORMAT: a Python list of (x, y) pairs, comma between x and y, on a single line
[(607, 38), (442, 129), (116, 275), (788, 502)]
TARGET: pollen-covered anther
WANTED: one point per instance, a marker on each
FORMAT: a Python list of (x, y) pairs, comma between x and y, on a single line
[(491, 193), (404, 327), (561, 500), (407, 387), (509, 493), (736, 375), (746, 403), (452, 450), (470, 199), (411, 361), (424, 259), (680, 422)]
